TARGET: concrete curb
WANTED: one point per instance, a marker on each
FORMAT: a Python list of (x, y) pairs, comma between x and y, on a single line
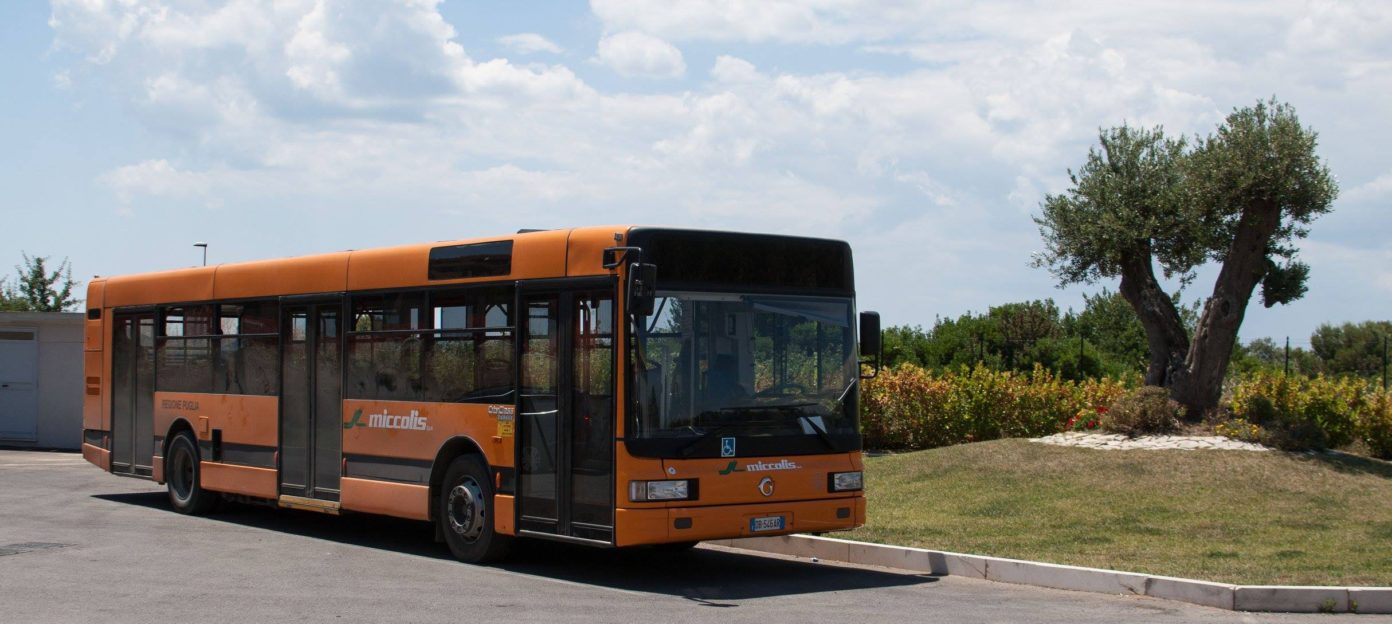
[(1262, 598)]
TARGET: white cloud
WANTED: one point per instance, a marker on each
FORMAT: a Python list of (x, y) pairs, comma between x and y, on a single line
[(929, 164), (314, 58), (1347, 283), (956, 28), (159, 178), (1378, 187), (734, 70), (637, 54), (819, 21), (529, 43)]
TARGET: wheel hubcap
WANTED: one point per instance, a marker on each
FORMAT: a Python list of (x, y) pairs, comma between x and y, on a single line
[(466, 509)]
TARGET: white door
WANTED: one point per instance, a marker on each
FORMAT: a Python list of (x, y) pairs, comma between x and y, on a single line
[(19, 374)]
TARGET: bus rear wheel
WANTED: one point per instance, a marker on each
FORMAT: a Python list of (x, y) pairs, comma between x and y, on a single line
[(465, 513), (181, 475)]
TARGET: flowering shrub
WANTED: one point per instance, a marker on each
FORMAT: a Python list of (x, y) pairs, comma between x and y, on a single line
[(1298, 412), (907, 407), (1323, 411), (1145, 410), (1087, 419), (1238, 429), (1375, 424)]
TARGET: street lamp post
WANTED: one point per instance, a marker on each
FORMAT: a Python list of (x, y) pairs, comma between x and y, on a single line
[(205, 251)]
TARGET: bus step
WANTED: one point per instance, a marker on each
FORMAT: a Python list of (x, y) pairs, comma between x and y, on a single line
[(308, 504)]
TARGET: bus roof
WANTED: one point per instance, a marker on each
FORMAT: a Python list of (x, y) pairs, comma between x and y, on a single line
[(541, 254)]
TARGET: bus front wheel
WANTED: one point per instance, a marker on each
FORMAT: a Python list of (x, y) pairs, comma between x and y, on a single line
[(465, 512), (181, 474)]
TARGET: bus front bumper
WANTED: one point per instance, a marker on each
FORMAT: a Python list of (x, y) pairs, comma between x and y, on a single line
[(685, 524)]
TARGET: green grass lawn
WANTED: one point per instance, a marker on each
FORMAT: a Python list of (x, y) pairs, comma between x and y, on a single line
[(1230, 516)]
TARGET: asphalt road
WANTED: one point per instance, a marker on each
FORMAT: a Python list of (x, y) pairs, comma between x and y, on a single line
[(79, 545)]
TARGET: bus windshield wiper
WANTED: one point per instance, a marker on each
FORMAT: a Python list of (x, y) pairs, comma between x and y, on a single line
[(821, 433), (796, 409)]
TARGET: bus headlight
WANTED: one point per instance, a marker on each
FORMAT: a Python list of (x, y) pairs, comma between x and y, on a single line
[(644, 491), (846, 481)]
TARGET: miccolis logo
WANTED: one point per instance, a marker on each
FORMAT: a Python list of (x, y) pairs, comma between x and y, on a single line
[(782, 464), (410, 422)]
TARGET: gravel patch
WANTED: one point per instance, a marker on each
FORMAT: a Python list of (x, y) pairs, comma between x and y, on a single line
[(1118, 442)]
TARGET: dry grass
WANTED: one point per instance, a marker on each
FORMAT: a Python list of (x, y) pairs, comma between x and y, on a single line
[(1231, 516)]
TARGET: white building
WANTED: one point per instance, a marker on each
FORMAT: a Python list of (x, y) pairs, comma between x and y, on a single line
[(41, 379)]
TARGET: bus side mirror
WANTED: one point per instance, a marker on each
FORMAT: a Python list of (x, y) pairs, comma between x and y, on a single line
[(642, 291), (870, 344)]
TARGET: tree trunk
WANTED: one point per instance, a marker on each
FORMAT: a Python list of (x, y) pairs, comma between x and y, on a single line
[(1201, 386), (1165, 334)]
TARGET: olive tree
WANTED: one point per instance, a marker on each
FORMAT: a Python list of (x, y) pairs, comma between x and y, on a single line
[(1240, 197)]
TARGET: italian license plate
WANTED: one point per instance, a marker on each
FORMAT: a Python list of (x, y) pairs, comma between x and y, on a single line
[(767, 523)]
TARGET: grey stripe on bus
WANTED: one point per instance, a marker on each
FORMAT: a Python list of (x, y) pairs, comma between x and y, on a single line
[(395, 469)]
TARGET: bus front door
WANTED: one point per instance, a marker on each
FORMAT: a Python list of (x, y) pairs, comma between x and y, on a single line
[(311, 436), (565, 438)]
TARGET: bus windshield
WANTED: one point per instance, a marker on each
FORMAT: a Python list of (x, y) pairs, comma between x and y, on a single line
[(746, 365)]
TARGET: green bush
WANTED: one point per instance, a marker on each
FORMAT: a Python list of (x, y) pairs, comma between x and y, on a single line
[(909, 408), (1375, 425), (1239, 429), (1294, 435), (1300, 413), (1147, 410), (1333, 408)]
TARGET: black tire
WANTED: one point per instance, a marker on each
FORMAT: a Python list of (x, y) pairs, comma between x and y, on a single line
[(464, 512), (182, 474)]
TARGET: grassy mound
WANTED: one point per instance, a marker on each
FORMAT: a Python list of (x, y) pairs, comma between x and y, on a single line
[(1230, 516)]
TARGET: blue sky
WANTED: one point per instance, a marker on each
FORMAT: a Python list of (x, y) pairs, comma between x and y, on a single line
[(925, 133)]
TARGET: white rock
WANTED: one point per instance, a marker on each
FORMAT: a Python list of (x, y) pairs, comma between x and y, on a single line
[(1112, 441)]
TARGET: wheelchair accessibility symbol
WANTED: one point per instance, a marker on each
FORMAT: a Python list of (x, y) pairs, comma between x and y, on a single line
[(727, 447)]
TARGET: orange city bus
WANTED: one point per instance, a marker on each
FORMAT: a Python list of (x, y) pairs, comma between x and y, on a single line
[(612, 386)]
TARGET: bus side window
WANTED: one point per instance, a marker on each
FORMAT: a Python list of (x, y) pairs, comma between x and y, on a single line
[(384, 347), (246, 348), (183, 350), (469, 355)]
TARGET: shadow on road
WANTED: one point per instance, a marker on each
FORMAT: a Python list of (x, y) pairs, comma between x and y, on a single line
[(701, 575)]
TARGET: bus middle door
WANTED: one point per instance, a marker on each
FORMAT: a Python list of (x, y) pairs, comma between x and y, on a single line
[(565, 454)]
